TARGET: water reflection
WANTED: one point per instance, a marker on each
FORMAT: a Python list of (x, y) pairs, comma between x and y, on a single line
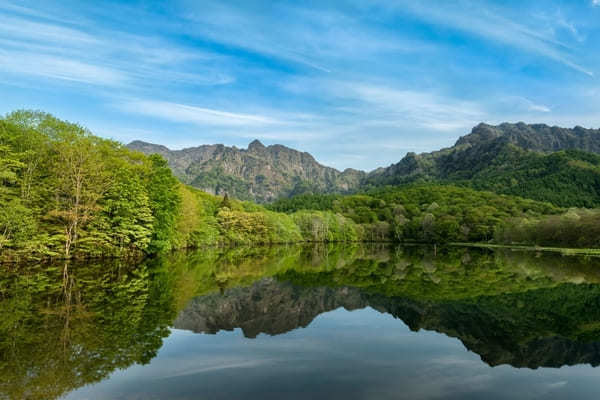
[(60, 332), (555, 329)]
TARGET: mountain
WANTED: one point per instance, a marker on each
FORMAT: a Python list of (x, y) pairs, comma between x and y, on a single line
[(540, 162), (259, 173)]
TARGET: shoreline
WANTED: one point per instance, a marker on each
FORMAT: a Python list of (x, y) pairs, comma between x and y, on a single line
[(567, 251)]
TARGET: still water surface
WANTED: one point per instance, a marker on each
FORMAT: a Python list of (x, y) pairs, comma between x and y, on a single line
[(352, 322)]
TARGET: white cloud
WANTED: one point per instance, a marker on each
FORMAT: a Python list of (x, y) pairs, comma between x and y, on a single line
[(26, 29), (183, 113), (112, 58), (379, 105), (59, 68), (319, 39), (539, 107), (518, 104), (491, 25)]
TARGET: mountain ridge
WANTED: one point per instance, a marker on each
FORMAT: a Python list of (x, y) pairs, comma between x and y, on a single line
[(509, 158), (532, 137), (260, 173), (536, 161)]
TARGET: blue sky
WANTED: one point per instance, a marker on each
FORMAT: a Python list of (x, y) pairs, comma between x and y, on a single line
[(356, 83)]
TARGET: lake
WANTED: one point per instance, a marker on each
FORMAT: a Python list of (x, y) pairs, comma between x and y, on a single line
[(317, 322)]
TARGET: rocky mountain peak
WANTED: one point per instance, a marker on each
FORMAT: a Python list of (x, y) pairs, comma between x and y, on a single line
[(537, 137), (259, 173), (256, 145)]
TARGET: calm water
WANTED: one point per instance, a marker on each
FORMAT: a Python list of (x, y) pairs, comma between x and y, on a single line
[(351, 322)]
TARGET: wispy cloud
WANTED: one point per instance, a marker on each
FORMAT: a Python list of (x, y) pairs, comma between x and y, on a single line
[(319, 39), (387, 106), (23, 28), (539, 107), (355, 82), (517, 105), (59, 68), (487, 22), (36, 47), (183, 113)]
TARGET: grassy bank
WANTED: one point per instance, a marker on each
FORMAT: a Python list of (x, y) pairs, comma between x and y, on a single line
[(567, 251)]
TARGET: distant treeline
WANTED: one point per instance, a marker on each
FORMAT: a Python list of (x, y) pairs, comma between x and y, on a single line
[(574, 228), (441, 214), (424, 212)]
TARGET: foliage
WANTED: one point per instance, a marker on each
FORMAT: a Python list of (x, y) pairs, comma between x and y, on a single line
[(67, 193), (566, 178), (164, 200), (321, 226), (63, 328), (575, 228), (422, 212)]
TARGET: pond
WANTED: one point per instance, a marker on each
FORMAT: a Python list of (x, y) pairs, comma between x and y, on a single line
[(318, 322)]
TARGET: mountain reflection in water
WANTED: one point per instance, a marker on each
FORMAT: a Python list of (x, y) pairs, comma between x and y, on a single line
[(65, 327)]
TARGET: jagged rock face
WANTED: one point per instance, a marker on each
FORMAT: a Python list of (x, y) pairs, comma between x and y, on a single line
[(273, 307), (259, 173), (486, 147), (265, 173), (538, 137)]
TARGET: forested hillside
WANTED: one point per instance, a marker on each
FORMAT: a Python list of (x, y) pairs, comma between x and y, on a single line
[(539, 162)]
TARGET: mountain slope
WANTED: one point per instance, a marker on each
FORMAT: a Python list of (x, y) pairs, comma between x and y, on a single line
[(534, 161), (260, 173), (553, 164)]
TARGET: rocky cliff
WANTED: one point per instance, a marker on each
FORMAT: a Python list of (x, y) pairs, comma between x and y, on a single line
[(540, 162), (259, 173), (483, 145)]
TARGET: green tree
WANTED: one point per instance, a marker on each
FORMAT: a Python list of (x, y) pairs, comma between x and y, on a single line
[(17, 224), (80, 179), (164, 201)]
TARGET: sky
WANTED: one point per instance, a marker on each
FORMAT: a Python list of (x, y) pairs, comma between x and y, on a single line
[(356, 83)]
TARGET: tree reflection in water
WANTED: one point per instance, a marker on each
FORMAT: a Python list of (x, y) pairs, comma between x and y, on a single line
[(63, 327)]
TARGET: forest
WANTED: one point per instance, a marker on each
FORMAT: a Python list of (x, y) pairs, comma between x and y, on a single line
[(564, 177), (66, 193), (567, 178)]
